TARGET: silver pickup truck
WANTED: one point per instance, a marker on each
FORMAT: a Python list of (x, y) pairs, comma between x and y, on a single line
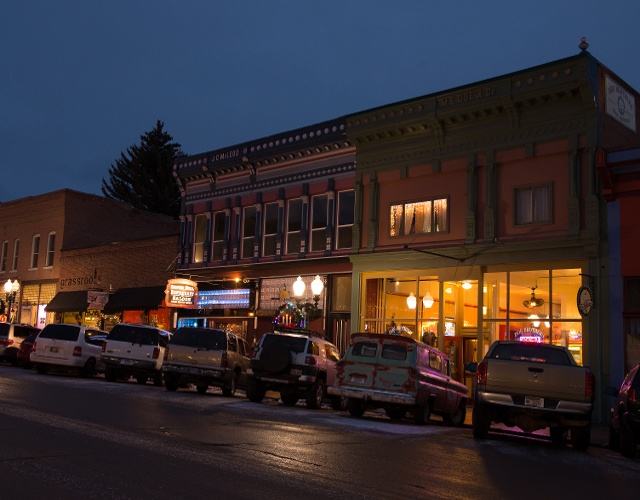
[(533, 386)]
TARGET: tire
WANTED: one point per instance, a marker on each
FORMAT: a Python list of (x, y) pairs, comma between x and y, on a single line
[(481, 423), (110, 375), (229, 389), (170, 384), (142, 379), (339, 403), (395, 413), (275, 358), (356, 407), (42, 369), (89, 369), (422, 414), (628, 443), (255, 391), (202, 388), (289, 399), (558, 435), (457, 418), (315, 395), (581, 437), (614, 438)]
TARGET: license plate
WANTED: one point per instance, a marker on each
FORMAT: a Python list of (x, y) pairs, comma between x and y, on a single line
[(529, 401), (357, 379), (126, 361), (296, 371), (53, 349)]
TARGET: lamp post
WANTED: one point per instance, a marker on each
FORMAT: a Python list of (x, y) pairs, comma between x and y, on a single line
[(10, 290)]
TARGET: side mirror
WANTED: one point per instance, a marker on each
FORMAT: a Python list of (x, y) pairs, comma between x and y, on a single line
[(471, 366)]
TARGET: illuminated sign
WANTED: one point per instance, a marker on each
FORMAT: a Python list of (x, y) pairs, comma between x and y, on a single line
[(181, 293), (530, 335), (97, 300), (238, 298)]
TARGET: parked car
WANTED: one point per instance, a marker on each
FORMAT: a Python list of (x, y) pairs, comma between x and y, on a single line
[(624, 426), (206, 357), (23, 356), (297, 363), (134, 350), (400, 375), (11, 336), (61, 346)]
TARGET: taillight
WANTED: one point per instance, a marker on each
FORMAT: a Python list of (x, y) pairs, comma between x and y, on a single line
[(156, 353), (6, 342), (104, 346), (481, 375), (632, 395), (166, 353), (590, 386), (224, 360), (310, 360), (33, 347), (77, 351)]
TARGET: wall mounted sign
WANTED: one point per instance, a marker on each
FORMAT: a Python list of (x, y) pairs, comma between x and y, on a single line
[(181, 293), (585, 300), (620, 104)]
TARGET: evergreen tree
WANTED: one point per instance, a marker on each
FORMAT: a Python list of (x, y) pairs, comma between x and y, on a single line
[(143, 175)]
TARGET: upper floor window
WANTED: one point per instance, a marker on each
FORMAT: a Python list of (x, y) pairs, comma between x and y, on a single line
[(51, 246), (346, 211), (3, 259), (219, 232), (430, 216), (35, 251), (199, 237), (248, 231), (533, 205), (319, 221), (294, 225), (16, 251), (270, 229)]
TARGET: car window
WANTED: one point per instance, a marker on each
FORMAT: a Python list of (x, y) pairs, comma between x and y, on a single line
[(60, 332), (532, 353), (435, 361), (94, 337), (200, 338), (391, 351), (313, 349), (21, 332), (332, 352), (123, 333), (295, 344), (4, 329), (365, 349), (232, 345), (30, 339)]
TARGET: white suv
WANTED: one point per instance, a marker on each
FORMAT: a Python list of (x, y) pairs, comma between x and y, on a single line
[(64, 346), (11, 336), (134, 350), (296, 363)]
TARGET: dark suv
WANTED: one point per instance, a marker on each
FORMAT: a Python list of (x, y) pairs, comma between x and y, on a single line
[(624, 428), (297, 363)]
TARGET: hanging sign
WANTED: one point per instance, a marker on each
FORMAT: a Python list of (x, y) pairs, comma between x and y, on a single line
[(181, 293)]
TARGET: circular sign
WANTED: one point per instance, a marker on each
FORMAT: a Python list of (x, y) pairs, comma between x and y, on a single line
[(585, 300)]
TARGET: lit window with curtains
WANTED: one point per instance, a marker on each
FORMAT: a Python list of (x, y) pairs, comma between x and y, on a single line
[(3, 260), (533, 205), (294, 225), (422, 217), (35, 251), (51, 246), (270, 232), (248, 231), (219, 231), (199, 237), (346, 217), (319, 221)]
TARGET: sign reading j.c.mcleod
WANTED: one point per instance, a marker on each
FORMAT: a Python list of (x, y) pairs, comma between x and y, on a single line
[(621, 104), (181, 293)]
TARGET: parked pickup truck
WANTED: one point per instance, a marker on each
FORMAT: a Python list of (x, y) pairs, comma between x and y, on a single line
[(533, 386)]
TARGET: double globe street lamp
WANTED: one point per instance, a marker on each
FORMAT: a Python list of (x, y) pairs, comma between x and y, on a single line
[(10, 290)]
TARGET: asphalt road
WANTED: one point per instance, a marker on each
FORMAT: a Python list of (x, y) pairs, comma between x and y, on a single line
[(66, 437)]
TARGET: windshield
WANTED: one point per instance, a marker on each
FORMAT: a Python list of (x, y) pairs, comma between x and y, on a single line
[(60, 332)]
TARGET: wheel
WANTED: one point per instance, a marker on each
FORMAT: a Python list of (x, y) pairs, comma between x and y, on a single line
[(202, 388), (229, 389), (480, 422), (315, 395), (110, 375), (170, 384), (558, 435), (289, 399), (42, 369), (255, 391), (356, 407), (422, 413), (628, 443), (581, 437), (457, 418), (275, 358), (614, 438), (142, 379), (395, 413), (339, 403), (89, 369)]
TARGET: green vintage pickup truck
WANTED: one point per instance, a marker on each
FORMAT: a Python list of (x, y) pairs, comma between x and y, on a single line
[(533, 386), (400, 375)]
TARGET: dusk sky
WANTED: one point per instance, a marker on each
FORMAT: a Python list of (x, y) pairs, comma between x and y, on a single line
[(82, 80)]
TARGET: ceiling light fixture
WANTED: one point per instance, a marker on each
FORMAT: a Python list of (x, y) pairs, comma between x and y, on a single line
[(533, 301)]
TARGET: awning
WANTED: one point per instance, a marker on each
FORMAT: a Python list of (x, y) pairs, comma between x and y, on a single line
[(135, 299), (68, 302)]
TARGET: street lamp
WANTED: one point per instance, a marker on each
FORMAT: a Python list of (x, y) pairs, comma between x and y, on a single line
[(10, 290)]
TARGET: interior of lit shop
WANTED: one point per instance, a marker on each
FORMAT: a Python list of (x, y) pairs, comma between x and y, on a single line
[(530, 305)]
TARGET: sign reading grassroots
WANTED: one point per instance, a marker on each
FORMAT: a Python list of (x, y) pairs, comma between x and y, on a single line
[(181, 293)]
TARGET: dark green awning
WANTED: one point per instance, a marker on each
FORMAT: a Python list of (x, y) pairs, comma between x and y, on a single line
[(68, 302), (136, 299)]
